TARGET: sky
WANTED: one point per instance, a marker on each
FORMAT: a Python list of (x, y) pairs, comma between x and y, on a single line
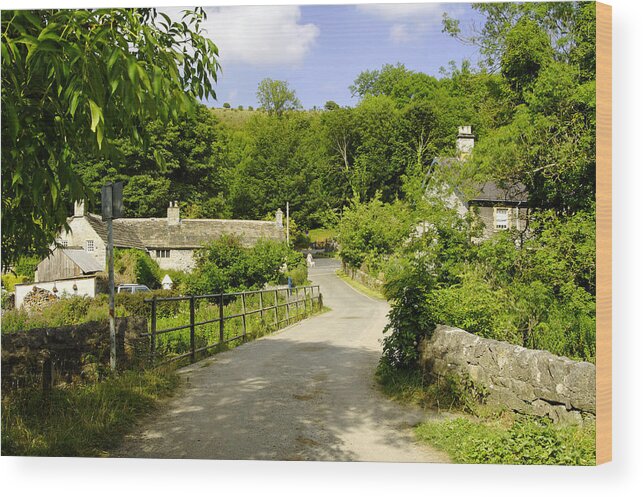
[(320, 49)]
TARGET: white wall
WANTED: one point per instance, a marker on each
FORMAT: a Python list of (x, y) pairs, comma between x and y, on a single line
[(85, 287)]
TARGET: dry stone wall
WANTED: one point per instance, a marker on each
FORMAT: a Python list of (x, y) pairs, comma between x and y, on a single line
[(527, 381), (69, 347)]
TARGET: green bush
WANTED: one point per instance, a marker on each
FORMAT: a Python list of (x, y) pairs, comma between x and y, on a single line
[(9, 281), (65, 311), (371, 231), (524, 441), (136, 266), (226, 266), (133, 304)]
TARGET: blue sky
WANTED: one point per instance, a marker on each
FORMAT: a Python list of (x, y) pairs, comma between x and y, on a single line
[(320, 50)]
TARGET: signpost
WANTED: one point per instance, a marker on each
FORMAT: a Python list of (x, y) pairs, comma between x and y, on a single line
[(112, 208)]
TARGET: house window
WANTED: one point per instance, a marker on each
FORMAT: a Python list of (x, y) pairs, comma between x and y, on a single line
[(63, 243), (162, 254), (502, 219), (89, 245)]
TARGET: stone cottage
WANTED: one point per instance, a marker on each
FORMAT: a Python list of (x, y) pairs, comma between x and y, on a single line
[(498, 206), (171, 241)]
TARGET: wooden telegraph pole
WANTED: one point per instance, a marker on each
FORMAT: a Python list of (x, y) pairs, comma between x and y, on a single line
[(112, 208)]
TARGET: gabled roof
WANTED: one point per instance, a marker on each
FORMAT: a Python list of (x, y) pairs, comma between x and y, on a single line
[(157, 233), (83, 260), (490, 191), (494, 192), (124, 236)]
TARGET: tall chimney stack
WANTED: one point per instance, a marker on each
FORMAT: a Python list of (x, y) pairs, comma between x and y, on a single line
[(79, 208), (465, 141), (173, 213)]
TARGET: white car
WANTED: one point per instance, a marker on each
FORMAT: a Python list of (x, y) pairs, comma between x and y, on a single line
[(131, 288)]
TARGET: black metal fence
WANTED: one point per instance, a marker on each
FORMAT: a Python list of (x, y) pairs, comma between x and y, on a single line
[(224, 318)]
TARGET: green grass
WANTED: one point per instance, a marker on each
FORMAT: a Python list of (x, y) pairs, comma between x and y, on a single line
[(521, 440), (370, 292), (178, 342), (234, 118), (482, 433), (80, 420), (321, 234)]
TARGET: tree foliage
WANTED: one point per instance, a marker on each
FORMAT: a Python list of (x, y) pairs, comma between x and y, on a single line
[(276, 96), (73, 81)]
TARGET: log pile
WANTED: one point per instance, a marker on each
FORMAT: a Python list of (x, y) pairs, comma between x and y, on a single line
[(38, 299)]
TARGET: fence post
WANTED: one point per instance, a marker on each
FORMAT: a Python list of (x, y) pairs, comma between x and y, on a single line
[(297, 302), (276, 310), (261, 305), (221, 321), (243, 317), (153, 334), (321, 299), (305, 299), (192, 338), (288, 306)]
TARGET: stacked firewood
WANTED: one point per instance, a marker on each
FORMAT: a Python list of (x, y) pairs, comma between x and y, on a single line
[(38, 299)]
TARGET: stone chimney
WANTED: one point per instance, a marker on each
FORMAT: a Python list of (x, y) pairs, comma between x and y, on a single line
[(79, 208), (279, 218), (173, 213), (465, 141)]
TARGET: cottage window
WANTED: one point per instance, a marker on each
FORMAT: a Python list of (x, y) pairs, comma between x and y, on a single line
[(502, 219), (162, 254), (64, 243), (89, 245)]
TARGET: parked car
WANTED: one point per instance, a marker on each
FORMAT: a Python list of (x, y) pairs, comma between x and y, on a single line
[(132, 288)]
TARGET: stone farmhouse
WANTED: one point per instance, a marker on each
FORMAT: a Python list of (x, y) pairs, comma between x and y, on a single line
[(171, 241), (498, 206)]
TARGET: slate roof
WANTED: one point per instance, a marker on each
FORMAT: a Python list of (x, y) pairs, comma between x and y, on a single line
[(157, 233), (83, 260), (489, 191), (124, 236), (494, 192)]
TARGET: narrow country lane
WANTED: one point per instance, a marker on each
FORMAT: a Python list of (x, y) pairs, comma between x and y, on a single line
[(306, 393)]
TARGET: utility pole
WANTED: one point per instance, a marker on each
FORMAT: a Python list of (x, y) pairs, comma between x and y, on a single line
[(288, 223), (112, 208)]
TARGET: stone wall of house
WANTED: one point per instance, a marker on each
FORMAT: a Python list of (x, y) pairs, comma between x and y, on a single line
[(527, 381), (71, 349), (179, 259), (486, 213), (81, 231)]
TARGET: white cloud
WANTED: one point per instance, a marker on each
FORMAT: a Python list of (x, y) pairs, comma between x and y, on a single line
[(410, 20), (423, 12), (259, 35)]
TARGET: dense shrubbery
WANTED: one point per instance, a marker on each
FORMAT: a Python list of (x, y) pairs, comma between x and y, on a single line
[(540, 295), (136, 266), (226, 266), (371, 231), (523, 441)]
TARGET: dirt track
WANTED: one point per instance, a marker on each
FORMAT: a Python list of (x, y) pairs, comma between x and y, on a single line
[(306, 393)]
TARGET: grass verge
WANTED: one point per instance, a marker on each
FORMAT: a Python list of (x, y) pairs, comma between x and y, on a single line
[(370, 292), (482, 434), (511, 440), (80, 420)]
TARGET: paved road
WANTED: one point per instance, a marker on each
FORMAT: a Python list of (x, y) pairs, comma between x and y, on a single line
[(306, 393)]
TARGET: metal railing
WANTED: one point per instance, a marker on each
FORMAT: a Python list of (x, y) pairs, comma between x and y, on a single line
[(304, 299)]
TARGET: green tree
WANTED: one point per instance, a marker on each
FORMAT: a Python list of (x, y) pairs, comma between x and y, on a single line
[(72, 82), (276, 97)]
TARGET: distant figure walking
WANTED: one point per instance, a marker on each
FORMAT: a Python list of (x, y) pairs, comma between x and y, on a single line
[(309, 259)]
